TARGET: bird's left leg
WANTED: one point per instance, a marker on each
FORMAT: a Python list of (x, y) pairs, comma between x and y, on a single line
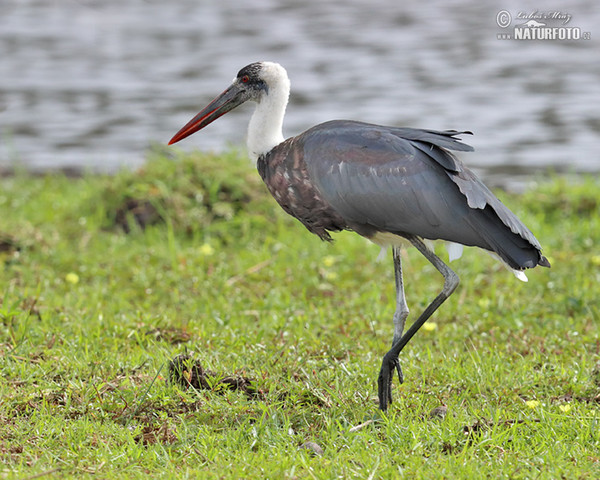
[(390, 359)]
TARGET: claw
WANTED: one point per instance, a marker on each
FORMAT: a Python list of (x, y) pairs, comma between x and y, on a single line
[(384, 382), (400, 373)]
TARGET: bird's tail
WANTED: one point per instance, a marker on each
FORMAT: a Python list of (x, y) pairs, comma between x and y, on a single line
[(514, 249)]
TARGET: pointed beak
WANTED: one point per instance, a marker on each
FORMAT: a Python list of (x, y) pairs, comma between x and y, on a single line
[(234, 96)]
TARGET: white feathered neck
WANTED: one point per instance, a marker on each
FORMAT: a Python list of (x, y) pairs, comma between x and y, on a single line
[(265, 130)]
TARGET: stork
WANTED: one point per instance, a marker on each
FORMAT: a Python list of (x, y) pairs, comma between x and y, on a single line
[(388, 184)]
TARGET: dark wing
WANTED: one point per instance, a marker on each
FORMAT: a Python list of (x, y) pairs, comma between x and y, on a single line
[(405, 181)]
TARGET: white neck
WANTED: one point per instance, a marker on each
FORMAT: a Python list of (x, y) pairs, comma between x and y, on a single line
[(266, 125)]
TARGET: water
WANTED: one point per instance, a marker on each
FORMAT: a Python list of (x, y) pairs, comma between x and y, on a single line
[(92, 84)]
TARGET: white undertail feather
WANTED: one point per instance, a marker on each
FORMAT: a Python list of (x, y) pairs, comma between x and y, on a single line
[(520, 274), (265, 130), (430, 244), (455, 251)]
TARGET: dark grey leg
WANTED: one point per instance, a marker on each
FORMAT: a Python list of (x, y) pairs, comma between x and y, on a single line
[(401, 312), (390, 359)]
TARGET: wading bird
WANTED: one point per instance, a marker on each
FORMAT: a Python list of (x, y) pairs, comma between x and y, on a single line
[(388, 184)]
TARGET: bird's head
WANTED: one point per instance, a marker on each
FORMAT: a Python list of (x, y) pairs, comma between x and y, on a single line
[(254, 82)]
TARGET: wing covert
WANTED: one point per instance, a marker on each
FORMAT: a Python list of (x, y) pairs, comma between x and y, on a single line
[(374, 176)]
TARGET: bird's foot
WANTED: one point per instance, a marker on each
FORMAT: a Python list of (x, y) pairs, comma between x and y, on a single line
[(384, 382)]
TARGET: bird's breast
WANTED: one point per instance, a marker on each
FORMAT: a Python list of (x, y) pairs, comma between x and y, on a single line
[(285, 173)]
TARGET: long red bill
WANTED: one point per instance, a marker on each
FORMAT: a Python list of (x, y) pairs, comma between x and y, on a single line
[(228, 100)]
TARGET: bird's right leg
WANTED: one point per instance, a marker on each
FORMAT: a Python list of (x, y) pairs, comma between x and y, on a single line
[(390, 359), (402, 311), (400, 315)]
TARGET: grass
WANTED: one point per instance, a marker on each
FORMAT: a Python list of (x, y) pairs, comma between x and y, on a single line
[(90, 317)]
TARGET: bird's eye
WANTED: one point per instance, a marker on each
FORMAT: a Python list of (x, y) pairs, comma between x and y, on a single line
[(245, 79)]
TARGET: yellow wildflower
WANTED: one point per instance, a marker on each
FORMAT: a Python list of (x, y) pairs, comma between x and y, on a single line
[(484, 302), (429, 326), (331, 276), (328, 260), (206, 249), (72, 278)]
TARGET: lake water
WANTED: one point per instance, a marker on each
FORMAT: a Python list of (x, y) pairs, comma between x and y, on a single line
[(92, 84)]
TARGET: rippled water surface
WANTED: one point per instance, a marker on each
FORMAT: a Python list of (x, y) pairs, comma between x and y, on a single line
[(92, 84)]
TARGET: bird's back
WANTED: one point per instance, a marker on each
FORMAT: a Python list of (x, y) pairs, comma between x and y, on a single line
[(371, 179)]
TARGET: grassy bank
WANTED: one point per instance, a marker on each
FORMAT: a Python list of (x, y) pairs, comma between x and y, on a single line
[(105, 280)]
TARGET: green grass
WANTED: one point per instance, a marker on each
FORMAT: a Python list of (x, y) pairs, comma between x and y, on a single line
[(90, 317)]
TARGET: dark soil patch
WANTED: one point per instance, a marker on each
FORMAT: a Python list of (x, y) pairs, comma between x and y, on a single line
[(140, 212), (152, 434), (169, 334), (8, 244), (187, 372)]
